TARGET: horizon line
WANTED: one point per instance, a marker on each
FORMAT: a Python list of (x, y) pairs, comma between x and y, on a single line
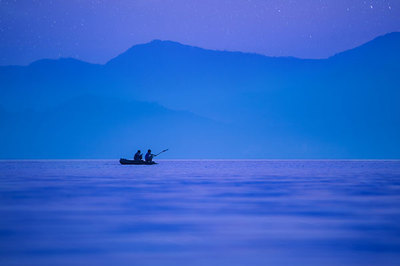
[(192, 159)]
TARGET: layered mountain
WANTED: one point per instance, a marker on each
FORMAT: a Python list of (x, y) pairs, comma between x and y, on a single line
[(236, 105)]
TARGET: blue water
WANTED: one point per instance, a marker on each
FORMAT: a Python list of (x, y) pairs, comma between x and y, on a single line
[(200, 213)]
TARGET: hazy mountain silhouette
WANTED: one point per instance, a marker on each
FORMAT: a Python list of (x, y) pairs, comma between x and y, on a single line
[(345, 106), (95, 127)]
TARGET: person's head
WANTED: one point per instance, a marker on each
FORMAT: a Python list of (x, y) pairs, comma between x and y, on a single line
[(138, 151), (149, 151)]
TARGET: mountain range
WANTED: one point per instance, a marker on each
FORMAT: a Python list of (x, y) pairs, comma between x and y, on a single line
[(205, 104)]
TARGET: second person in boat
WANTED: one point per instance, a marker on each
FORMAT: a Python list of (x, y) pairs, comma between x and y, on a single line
[(138, 156)]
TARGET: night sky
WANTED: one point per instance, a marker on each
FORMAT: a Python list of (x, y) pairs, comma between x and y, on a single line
[(98, 30)]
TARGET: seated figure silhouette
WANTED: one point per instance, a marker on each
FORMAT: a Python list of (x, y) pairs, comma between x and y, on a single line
[(138, 156), (149, 156)]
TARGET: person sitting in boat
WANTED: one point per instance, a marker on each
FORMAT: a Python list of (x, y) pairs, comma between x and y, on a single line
[(149, 157), (138, 156)]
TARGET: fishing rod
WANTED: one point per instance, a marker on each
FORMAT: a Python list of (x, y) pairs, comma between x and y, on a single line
[(160, 152)]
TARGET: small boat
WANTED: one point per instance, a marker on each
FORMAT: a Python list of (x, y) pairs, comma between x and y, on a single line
[(134, 162)]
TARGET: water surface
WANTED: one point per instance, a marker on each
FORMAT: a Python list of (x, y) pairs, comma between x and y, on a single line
[(200, 213)]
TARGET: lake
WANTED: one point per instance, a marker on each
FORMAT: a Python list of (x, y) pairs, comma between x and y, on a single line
[(200, 212)]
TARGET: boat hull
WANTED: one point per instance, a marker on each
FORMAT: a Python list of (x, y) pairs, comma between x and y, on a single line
[(133, 162)]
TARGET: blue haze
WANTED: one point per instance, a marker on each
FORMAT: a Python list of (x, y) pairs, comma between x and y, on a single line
[(205, 104)]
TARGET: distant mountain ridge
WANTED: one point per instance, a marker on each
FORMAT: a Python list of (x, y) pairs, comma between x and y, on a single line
[(383, 46), (345, 106)]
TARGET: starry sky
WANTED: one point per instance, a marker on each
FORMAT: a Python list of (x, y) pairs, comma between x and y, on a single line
[(97, 30)]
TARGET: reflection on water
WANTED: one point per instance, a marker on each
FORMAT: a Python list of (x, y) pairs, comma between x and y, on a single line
[(200, 213)]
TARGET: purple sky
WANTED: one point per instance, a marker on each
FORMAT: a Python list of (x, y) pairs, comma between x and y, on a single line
[(98, 30)]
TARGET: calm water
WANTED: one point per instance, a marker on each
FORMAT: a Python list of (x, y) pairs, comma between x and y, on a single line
[(200, 213)]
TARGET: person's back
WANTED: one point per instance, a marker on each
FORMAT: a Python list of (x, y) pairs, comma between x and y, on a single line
[(148, 157), (138, 156)]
